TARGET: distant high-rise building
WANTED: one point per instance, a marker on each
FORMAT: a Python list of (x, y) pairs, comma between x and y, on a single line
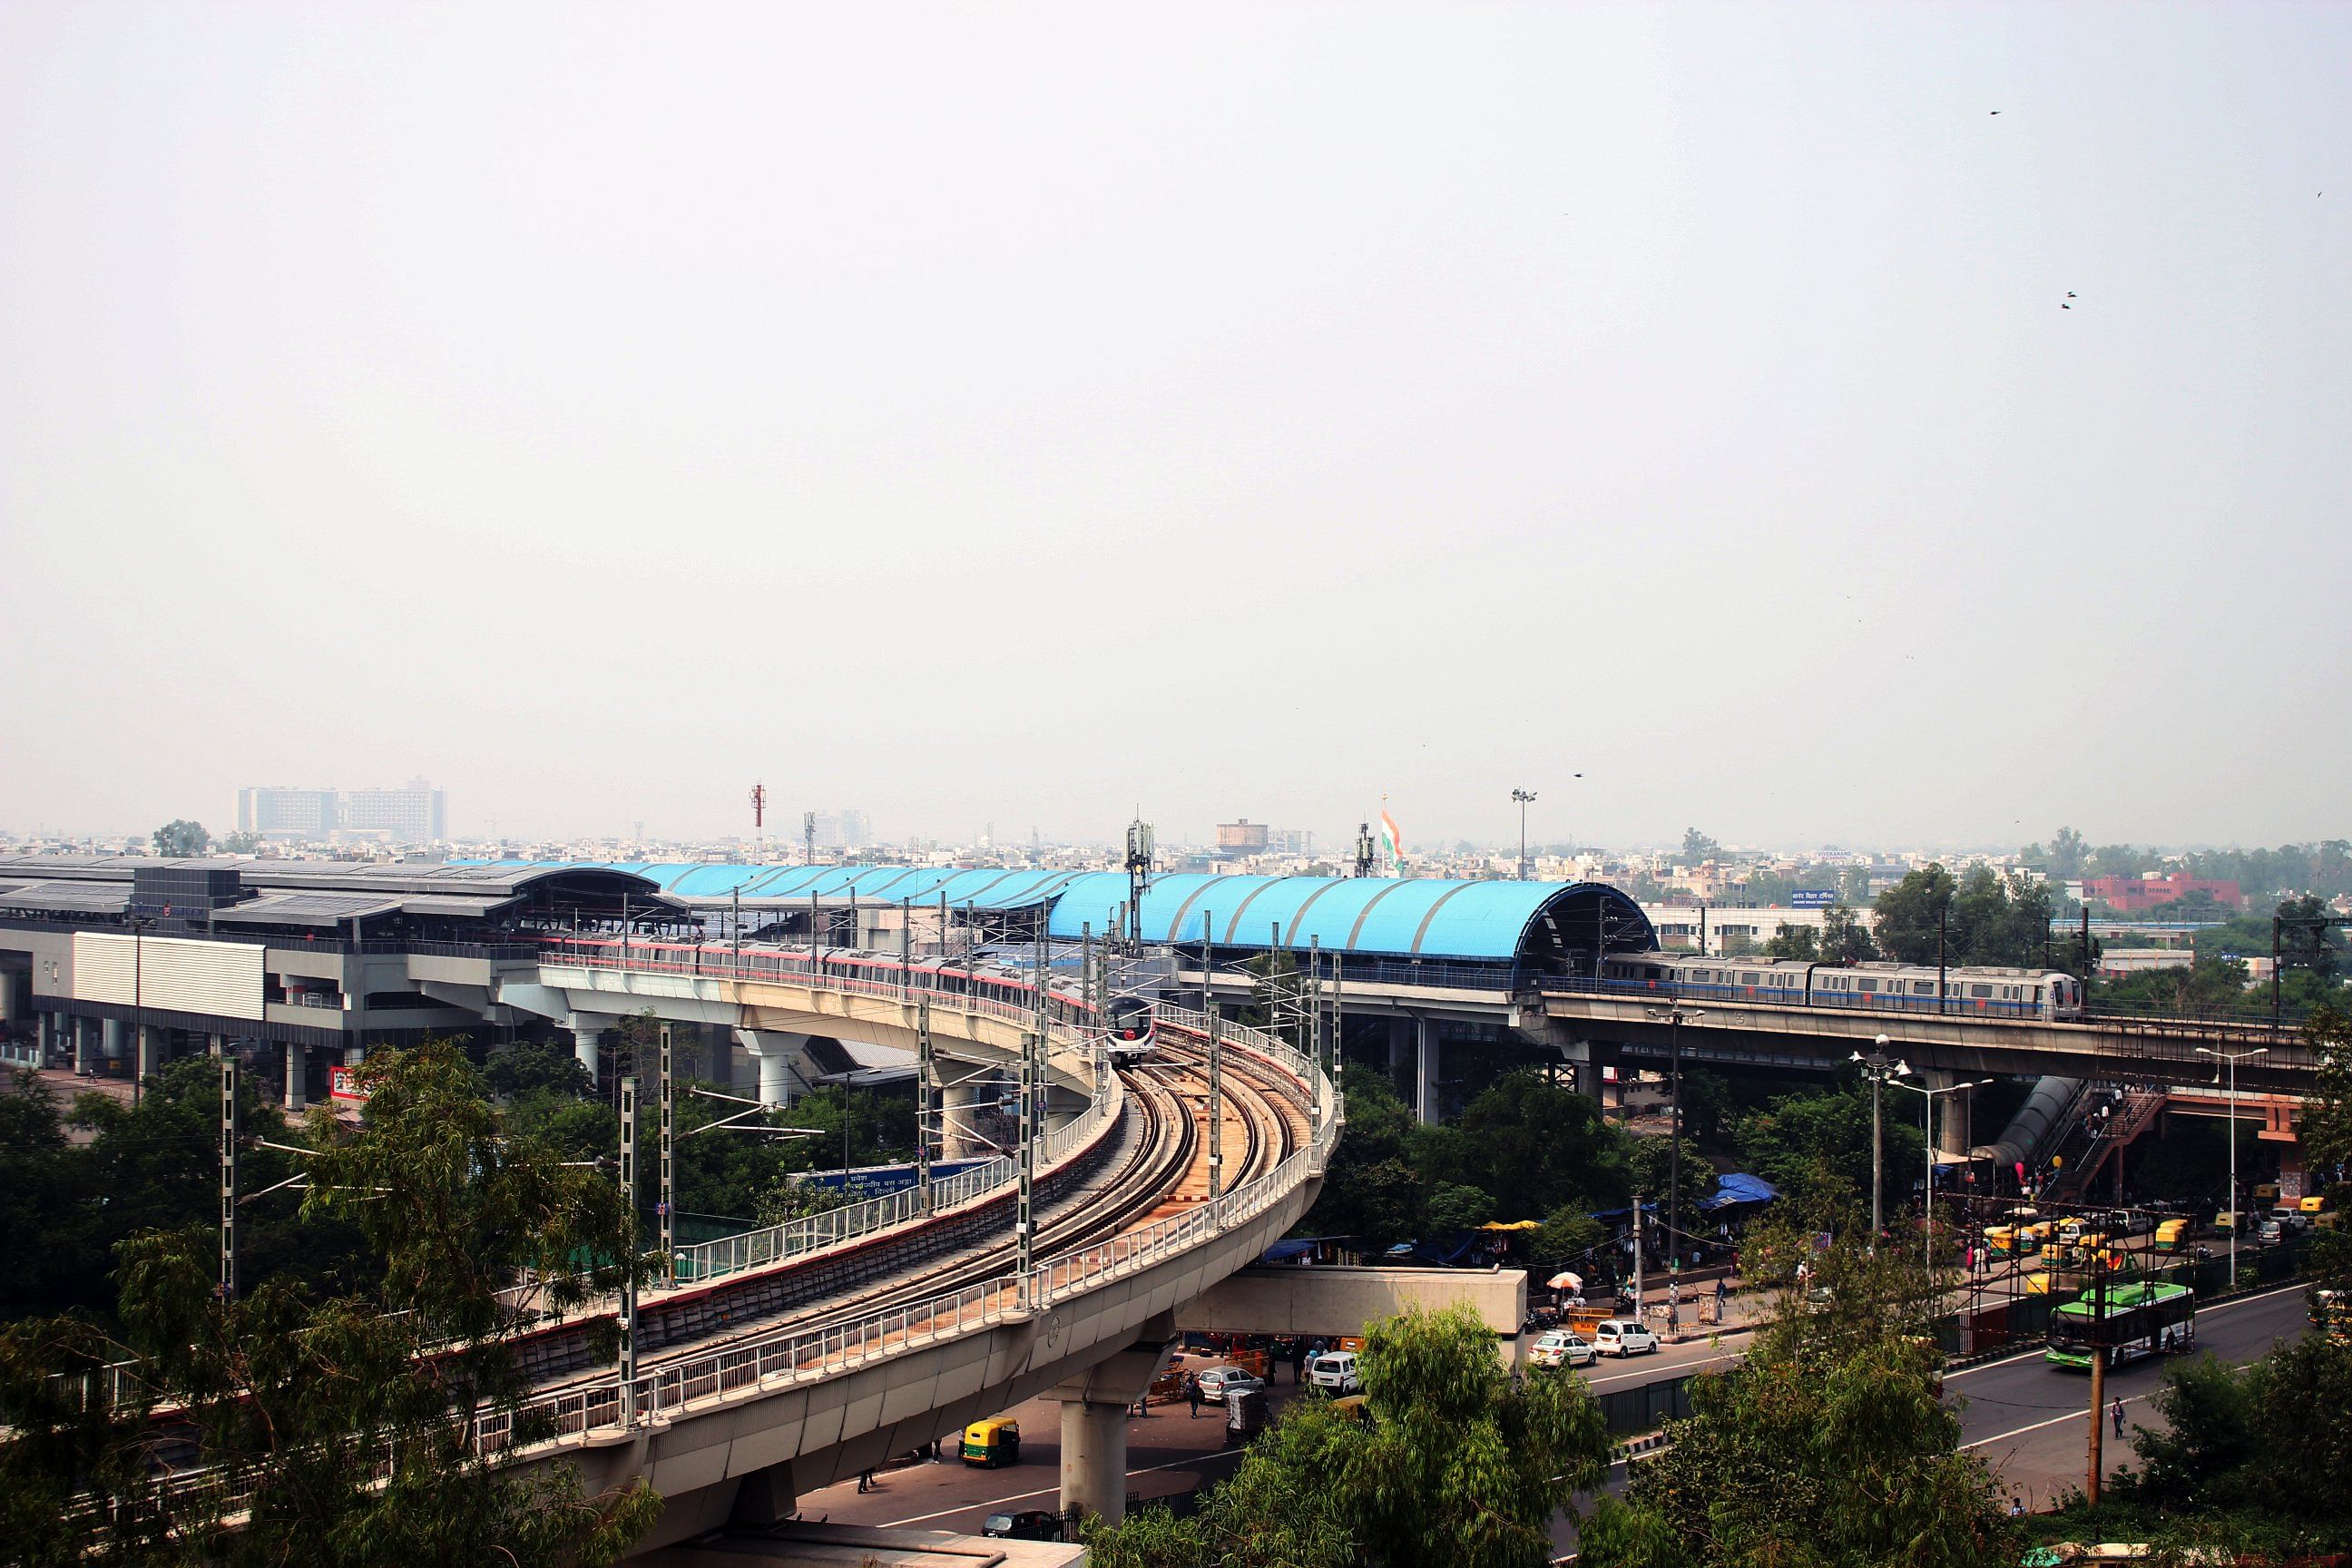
[(1243, 837), (276, 813), (842, 830), (416, 813)]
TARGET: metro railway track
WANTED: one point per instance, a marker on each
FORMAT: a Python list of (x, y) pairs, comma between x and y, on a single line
[(1160, 1158)]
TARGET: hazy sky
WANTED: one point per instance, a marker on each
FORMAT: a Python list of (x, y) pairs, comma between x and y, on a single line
[(1014, 414)]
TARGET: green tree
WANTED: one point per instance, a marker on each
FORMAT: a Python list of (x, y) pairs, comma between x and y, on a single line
[(1815, 1146), (1698, 848), (1458, 1467), (239, 843), (2068, 850), (1370, 1190), (180, 840), (346, 1423), (1569, 1235), (1452, 1208), (1828, 1444), (537, 1066), (1904, 917), (1794, 941), (1531, 1145), (1845, 938)]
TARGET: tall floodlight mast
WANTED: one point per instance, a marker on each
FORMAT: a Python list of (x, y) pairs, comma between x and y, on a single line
[(1139, 875)]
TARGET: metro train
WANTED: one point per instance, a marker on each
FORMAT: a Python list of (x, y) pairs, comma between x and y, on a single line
[(1132, 1029), (1896, 987), (981, 977)]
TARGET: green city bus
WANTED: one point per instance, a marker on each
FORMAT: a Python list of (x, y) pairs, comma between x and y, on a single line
[(2143, 1319)]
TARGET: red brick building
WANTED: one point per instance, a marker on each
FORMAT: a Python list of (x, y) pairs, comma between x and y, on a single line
[(2136, 895)]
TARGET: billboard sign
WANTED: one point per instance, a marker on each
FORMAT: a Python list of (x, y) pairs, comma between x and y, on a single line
[(342, 1083), (1812, 898)]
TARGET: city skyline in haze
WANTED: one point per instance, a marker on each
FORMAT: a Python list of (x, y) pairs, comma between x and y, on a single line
[(1016, 416)]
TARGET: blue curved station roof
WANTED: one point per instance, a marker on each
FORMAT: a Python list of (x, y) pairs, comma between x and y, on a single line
[(1419, 917), (700, 883), (1411, 917)]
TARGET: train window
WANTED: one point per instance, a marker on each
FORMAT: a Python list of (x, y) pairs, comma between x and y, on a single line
[(1870, 986), (1923, 987), (1748, 979), (1980, 990)]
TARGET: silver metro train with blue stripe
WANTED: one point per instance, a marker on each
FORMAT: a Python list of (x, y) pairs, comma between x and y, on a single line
[(1885, 987)]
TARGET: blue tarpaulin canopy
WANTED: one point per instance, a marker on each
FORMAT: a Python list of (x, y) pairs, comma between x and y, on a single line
[(1740, 1188)]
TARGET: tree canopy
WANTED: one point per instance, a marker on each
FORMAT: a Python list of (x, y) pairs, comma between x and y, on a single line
[(341, 1421), (1458, 1466), (180, 840)]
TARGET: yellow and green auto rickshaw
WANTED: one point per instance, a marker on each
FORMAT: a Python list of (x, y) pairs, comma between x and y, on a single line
[(991, 1442)]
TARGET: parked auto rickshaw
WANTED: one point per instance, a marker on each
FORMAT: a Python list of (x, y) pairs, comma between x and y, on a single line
[(991, 1442), (2171, 1234), (2000, 1240)]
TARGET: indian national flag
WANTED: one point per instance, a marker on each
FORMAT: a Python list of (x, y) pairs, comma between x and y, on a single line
[(1392, 840)]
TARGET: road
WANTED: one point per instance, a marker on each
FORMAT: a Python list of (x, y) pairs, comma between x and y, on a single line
[(2029, 1418), (1170, 1454), (2021, 1414)]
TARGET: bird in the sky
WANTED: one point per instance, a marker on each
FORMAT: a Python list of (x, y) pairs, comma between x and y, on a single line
[(1996, 111), (2064, 306), (2070, 293)]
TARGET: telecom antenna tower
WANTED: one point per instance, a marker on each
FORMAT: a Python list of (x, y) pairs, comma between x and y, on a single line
[(1363, 849), (758, 819), (808, 838), (1138, 876)]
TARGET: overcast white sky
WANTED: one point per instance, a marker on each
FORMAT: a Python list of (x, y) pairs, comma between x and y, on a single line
[(1014, 414)]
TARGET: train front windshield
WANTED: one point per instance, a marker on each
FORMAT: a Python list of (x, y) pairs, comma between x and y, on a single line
[(1131, 1019)]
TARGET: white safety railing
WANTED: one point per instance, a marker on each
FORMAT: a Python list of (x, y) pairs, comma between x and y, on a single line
[(786, 1357), (781, 1358), (700, 1262), (707, 1261)]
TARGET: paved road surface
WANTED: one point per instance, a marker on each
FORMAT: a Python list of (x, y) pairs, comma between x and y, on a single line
[(2030, 1419), (2024, 1415)]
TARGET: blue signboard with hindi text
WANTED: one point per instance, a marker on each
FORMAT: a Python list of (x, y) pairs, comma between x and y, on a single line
[(1812, 898)]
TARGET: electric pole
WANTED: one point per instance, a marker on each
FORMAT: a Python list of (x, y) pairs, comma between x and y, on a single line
[(1637, 1256), (2098, 1373), (1525, 797), (668, 1162), (629, 1262), (228, 1141), (927, 1095)]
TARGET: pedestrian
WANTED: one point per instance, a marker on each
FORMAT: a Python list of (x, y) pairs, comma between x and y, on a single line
[(1193, 1393), (1722, 1292), (2017, 1508), (1298, 1361), (2117, 1410), (865, 1481)]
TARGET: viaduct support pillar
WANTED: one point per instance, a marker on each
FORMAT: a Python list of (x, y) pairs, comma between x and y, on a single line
[(111, 1033), (1094, 1421), (1094, 1458), (1424, 1086), (959, 1104), (151, 1052), (85, 1045), (298, 1075), (1950, 1136), (584, 1042), (775, 1053)]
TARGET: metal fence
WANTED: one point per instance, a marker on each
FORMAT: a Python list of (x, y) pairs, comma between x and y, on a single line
[(787, 1356)]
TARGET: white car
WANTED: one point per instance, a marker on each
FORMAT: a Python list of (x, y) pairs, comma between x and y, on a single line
[(1216, 1382), (1621, 1337), (1560, 1347), (1335, 1371)]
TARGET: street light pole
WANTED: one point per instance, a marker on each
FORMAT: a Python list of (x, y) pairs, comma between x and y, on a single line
[(2237, 1215), (1673, 1018), (1876, 1067), (1525, 797), (1927, 1230)]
